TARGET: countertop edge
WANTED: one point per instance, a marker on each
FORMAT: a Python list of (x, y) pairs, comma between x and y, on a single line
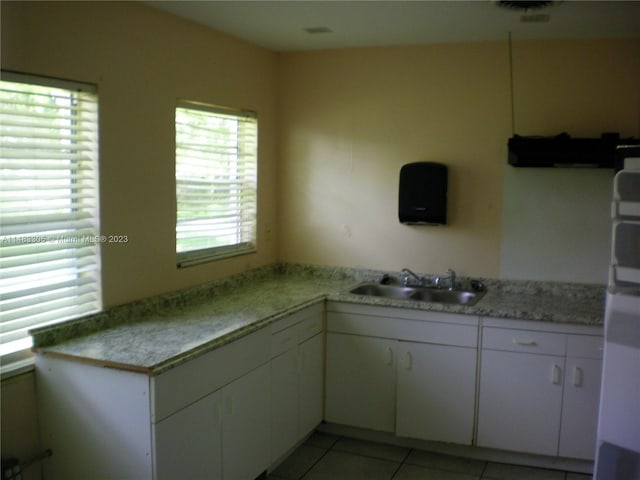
[(322, 283)]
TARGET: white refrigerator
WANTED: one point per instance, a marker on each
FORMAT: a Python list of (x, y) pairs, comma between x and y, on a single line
[(618, 444)]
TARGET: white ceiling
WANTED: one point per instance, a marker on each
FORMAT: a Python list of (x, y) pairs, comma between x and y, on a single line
[(279, 25)]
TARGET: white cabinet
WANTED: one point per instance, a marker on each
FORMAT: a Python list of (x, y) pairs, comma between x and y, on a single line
[(246, 426), (189, 443), (284, 403), (361, 381), (311, 378), (402, 371), (583, 367), (296, 378), (436, 392), (96, 420), (539, 390), (520, 401), (209, 417)]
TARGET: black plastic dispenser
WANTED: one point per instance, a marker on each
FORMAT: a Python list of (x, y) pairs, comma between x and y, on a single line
[(423, 194)]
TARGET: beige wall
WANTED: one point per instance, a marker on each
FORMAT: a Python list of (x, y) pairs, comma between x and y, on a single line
[(143, 60), (556, 223), (19, 429), (351, 118)]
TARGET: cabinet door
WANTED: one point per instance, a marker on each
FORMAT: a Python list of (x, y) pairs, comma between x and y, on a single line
[(580, 408), (188, 443), (310, 395), (436, 392), (284, 403), (361, 381), (246, 425), (520, 401)]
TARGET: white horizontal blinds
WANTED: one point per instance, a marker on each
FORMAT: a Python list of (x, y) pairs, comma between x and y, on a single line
[(49, 249), (216, 182)]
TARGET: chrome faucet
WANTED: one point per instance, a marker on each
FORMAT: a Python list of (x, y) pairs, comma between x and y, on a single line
[(408, 273), (450, 277)]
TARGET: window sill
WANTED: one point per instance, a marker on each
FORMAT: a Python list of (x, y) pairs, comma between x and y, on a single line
[(15, 369)]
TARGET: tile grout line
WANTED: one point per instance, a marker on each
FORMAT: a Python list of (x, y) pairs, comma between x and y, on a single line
[(326, 450), (403, 462)]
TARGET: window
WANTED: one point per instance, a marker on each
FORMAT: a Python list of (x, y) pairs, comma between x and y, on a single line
[(216, 182), (49, 244)]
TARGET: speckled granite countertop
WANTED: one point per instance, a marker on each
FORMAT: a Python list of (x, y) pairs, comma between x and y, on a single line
[(154, 335)]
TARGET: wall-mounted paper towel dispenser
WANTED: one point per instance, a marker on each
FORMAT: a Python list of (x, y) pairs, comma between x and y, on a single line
[(423, 194)]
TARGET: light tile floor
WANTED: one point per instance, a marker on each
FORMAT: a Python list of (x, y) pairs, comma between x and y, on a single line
[(328, 457)]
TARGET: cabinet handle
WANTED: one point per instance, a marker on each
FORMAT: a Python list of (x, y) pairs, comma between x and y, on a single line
[(389, 356), (556, 374), (408, 361), (577, 377), (526, 343)]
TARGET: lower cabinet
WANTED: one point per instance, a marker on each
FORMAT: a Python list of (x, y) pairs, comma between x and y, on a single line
[(246, 425), (578, 430), (189, 444), (296, 379), (311, 383), (361, 381), (416, 374), (539, 391), (210, 417), (436, 392), (377, 378), (520, 393)]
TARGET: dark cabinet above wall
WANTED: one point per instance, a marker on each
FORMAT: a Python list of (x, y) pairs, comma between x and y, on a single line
[(565, 151)]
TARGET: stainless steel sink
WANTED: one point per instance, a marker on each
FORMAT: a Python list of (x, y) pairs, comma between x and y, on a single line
[(419, 294), (457, 297), (387, 291)]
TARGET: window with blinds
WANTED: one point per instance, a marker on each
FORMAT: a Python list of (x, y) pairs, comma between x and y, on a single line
[(216, 182), (49, 243)]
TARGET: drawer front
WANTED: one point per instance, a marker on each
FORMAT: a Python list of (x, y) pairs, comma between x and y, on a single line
[(284, 340), (297, 317), (309, 327), (398, 329), (585, 346), (180, 386), (525, 341), (293, 329)]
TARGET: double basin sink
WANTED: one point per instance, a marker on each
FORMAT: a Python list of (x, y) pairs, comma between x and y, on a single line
[(419, 294)]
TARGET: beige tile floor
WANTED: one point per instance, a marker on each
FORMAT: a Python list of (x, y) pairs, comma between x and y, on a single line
[(328, 457)]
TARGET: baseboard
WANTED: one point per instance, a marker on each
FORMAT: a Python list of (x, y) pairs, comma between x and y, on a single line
[(478, 453)]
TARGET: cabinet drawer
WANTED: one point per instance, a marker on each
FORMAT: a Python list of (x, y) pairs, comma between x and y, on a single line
[(523, 341), (284, 340), (585, 346), (399, 329), (180, 386), (309, 327), (314, 311), (294, 329)]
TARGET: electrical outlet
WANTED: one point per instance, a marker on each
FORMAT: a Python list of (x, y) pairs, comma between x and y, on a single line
[(267, 232)]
